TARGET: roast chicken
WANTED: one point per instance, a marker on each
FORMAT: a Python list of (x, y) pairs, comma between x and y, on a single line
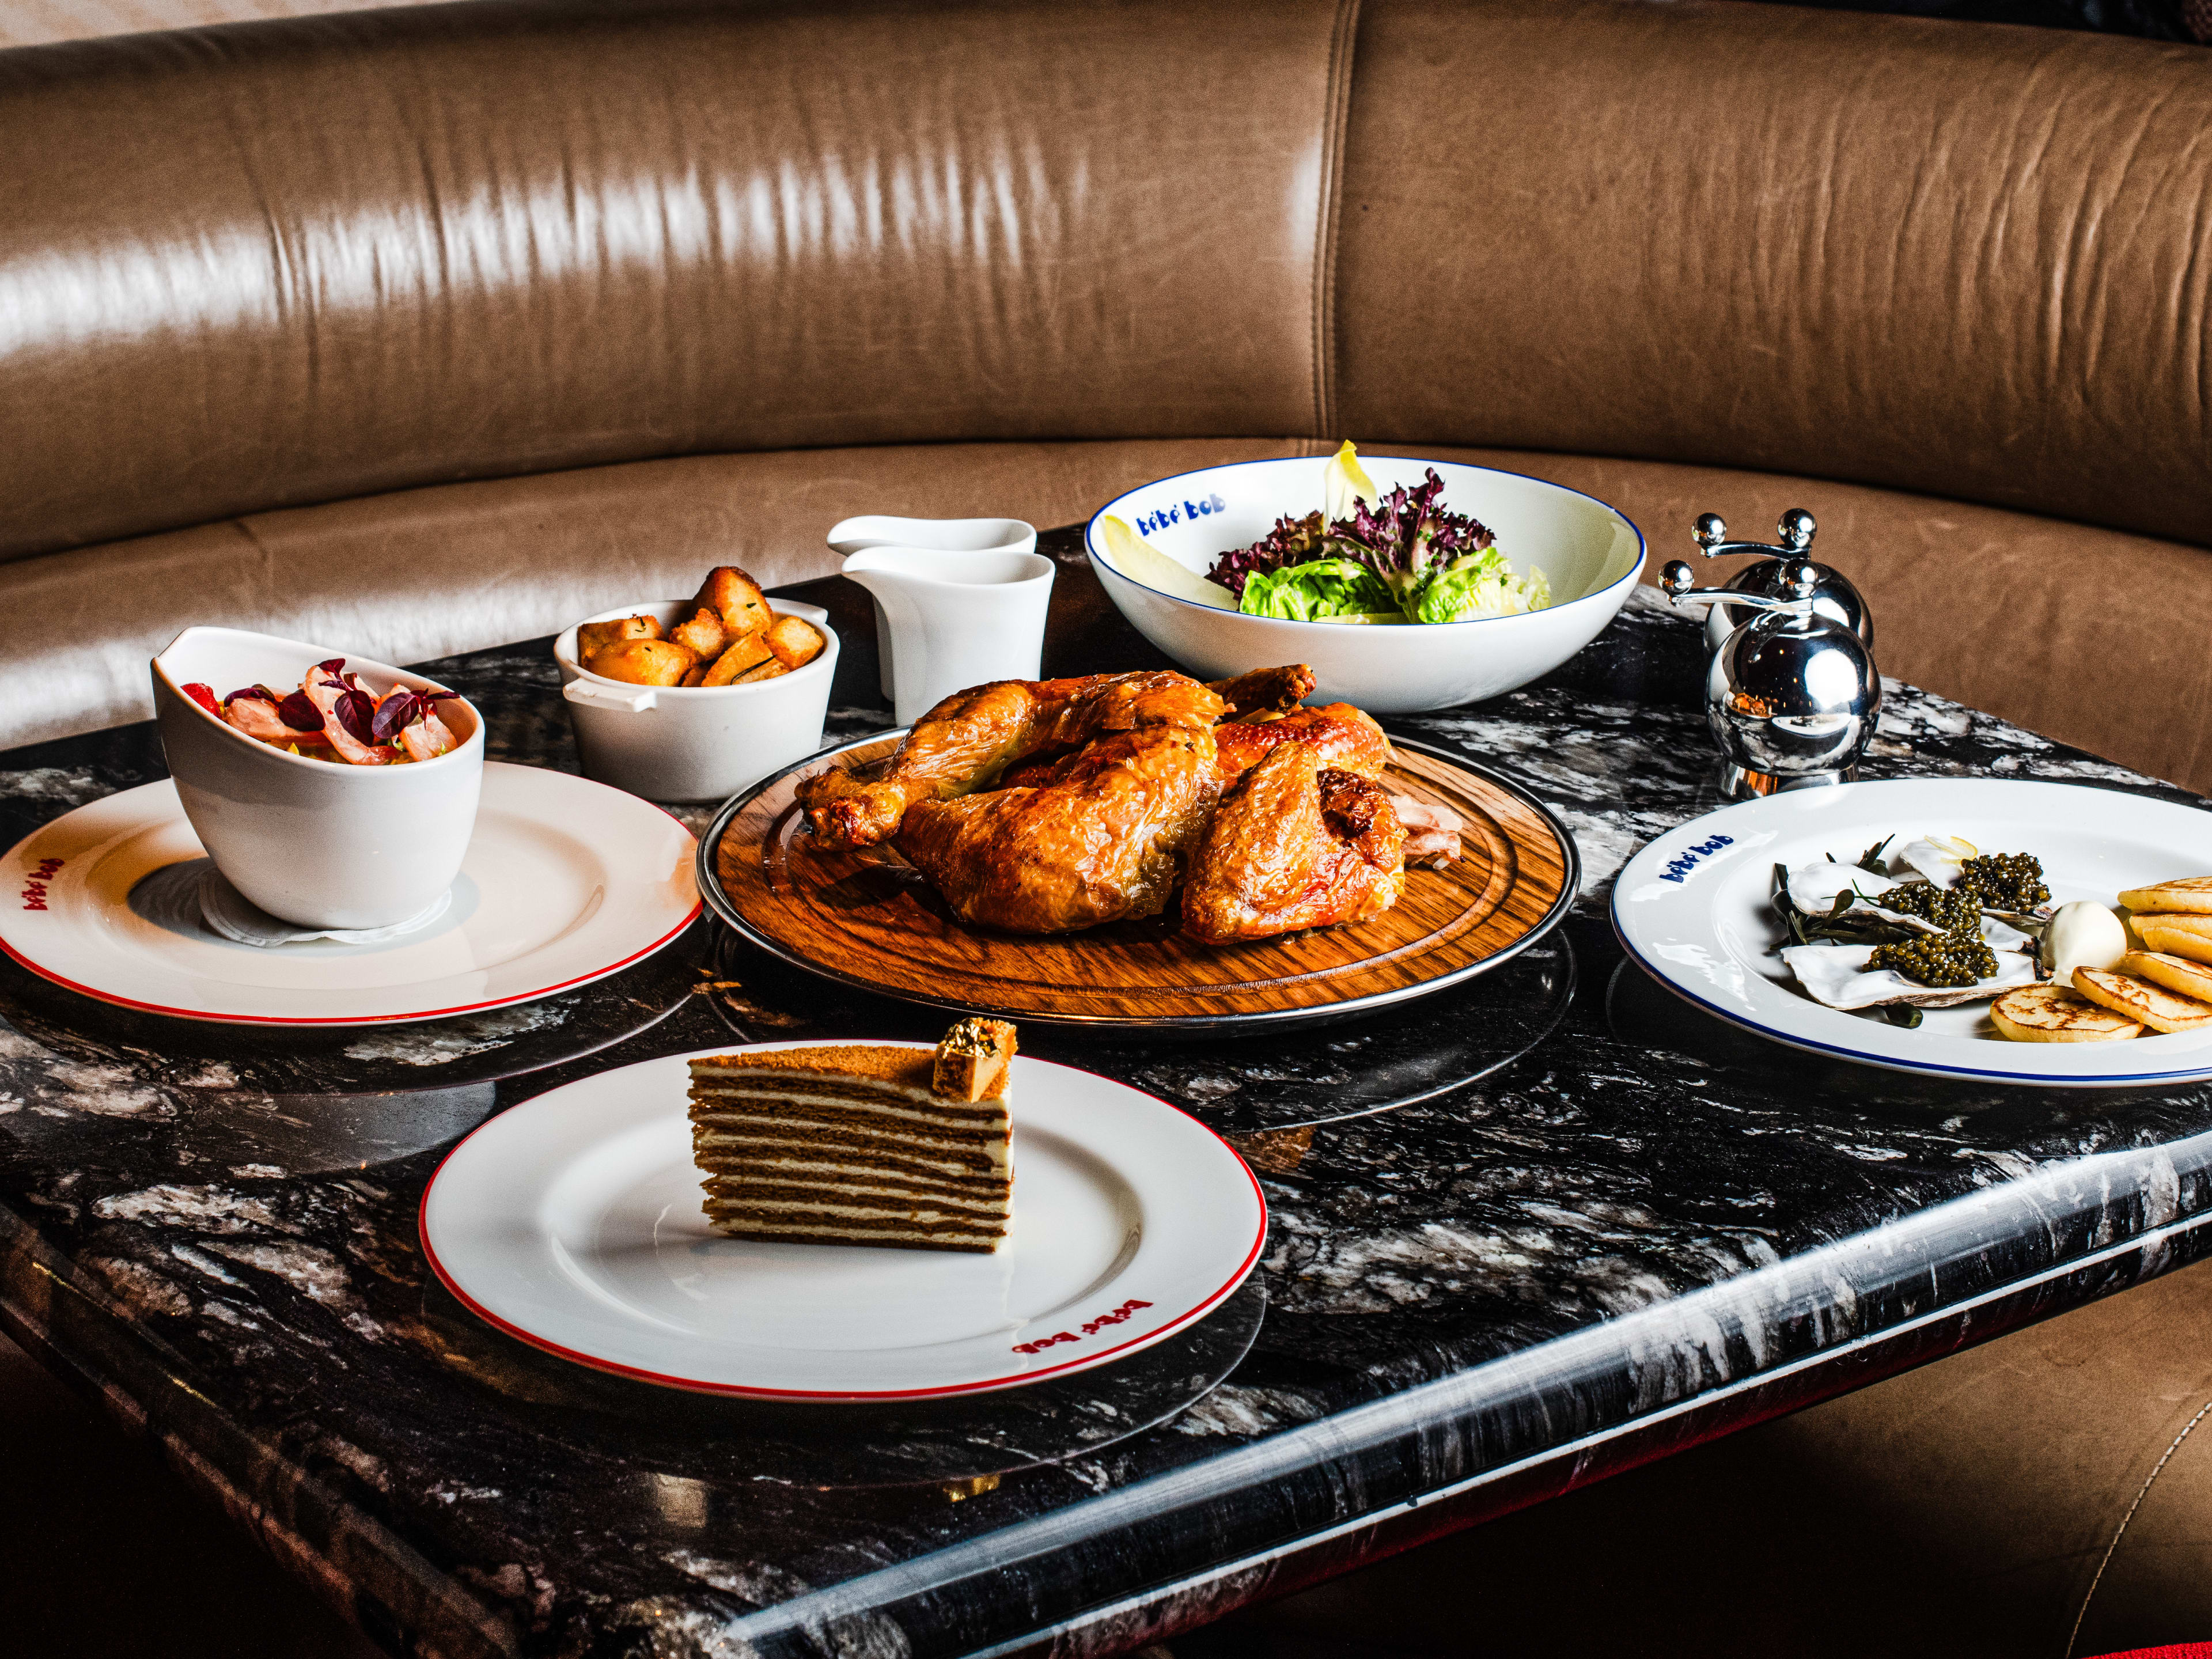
[(1045, 806), (1294, 844)]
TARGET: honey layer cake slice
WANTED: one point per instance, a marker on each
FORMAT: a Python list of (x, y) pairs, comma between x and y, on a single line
[(861, 1143)]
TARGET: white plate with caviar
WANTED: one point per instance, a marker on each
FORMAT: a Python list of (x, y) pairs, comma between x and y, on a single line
[(573, 1222), (1695, 908), (564, 881)]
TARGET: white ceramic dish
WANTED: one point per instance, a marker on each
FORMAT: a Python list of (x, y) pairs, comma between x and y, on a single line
[(573, 1222), (1692, 907), (699, 742), (564, 881), (1589, 552), (965, 594), (314, 841)]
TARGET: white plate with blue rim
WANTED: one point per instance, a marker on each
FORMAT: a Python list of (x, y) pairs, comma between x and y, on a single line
[(1693, 910), (573, 1223)]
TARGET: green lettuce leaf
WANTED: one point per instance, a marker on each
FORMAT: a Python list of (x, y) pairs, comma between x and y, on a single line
[(1315, 591), (1480, 585)]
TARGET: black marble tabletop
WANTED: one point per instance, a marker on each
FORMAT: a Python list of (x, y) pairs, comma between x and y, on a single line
[(1520, 1234)]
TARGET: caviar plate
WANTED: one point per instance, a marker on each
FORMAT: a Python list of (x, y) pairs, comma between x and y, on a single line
[(573, 1222), (1692, 909), (565, 881)]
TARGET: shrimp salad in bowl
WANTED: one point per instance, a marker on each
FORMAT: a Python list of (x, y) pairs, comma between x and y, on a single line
[(334, 716)]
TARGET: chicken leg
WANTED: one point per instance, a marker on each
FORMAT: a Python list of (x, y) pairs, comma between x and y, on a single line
[(1294, 845)]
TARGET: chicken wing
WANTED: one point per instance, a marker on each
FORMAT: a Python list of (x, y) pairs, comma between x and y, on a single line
[(1102, 842), (969, 740), (1294, 844), (1265, 690), (1340, 735)]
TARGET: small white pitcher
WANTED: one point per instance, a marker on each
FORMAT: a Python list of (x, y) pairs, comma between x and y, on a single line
[(959, 602)]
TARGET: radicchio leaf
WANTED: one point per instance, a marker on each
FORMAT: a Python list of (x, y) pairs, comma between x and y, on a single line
[(1408, 536), (203, 695), (1292, 541), (299, 712), (355, 712), (395, 715)]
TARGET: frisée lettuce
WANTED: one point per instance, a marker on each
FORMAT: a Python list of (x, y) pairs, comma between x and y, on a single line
[(1376, 555)]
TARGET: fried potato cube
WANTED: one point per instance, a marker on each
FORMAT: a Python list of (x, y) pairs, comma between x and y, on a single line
[(742, 657), (795, 642), (737, 598), (697, 676), (594, 637), (645, 662), (703, 635), (767, 671)]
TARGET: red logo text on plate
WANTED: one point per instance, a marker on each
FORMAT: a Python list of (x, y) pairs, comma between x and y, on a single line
[(35, 890), (1088, 1328)]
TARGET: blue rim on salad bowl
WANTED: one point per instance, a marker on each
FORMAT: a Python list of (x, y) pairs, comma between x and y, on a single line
[(1589, 552)]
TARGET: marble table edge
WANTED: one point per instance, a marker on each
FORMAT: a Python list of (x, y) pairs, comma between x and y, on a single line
[(80, 1334)]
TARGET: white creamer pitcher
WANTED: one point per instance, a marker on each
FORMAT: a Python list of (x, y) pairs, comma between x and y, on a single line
[(958, 602)]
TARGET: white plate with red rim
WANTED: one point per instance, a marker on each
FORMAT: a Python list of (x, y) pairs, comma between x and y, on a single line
[(573, 1222), (565, 882), (1693, 908)]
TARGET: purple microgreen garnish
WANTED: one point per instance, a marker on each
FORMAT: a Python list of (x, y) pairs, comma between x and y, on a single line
[(354, 711), (332, 665), (299, 712), (253, 694), (395, 715)]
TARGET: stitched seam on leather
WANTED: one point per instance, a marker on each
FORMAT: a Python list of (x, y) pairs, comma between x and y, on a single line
[(1339, 115), (2112, 1548)]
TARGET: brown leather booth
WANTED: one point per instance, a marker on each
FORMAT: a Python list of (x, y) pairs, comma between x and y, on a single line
[(423, 329)]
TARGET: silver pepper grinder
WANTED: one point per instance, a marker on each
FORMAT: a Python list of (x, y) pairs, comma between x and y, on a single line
[(1833, 596), (1792, 694)]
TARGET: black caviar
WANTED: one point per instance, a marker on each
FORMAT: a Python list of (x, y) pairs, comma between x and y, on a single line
[(1952, 911), (2003, 881), (1940, 960)]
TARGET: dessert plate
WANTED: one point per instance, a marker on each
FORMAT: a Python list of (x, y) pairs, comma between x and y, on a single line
[(573, 1222), (1693, 908), (565, 881), (869, 920)]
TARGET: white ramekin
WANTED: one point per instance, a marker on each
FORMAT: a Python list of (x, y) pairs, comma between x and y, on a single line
[(314, 841), (697, 743)]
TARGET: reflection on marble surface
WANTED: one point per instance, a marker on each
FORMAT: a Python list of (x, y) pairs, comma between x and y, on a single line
[(1638, 1219)]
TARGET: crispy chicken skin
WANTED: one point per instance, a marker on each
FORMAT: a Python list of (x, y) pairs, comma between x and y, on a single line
[(1294, 844), (1103, 840), (1341, 736), (1265, 691), (969, 741)]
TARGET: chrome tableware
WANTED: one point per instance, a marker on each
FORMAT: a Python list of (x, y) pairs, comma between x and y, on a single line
[(1792, 694), (1833, 595)]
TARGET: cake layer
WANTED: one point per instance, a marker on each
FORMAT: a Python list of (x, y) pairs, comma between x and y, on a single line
[(978, 1190), (798, 1093), (835, 1210), (908, 1068), (726, 1131), (974, 1244), (749, 1189)]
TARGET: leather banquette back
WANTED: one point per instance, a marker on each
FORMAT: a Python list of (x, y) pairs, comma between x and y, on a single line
[(271, 265)]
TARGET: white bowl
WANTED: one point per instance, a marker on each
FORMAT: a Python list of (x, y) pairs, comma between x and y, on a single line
[(694, 743), (314, 842), (1588, 551)]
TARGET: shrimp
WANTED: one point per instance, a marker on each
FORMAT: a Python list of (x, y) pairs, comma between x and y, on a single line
[(253, 712), (325, 690)]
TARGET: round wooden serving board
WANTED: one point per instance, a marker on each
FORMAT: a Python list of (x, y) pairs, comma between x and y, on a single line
[(870, 919)]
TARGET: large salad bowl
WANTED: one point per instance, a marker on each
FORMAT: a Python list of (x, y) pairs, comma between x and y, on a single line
[(1590, 554)]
